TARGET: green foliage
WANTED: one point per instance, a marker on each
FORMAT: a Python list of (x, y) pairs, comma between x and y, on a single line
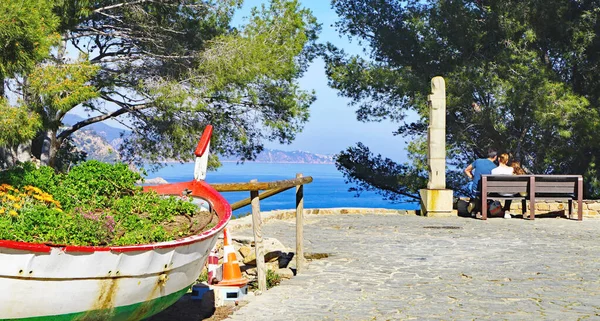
[(26, 174), (96, 184), (203, 277), (59, 88), (40, 224), (69, 155), (374, 173), (521, 76), (94, 204), (171, 67), (273, 279), (244, 84), (17, 125), (27, 31)]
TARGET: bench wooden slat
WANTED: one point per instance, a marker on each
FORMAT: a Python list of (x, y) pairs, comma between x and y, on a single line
[(554, 189), (506, 183), (553, 198), (556, 177), (571, 184), (504, 198), (506, 189)]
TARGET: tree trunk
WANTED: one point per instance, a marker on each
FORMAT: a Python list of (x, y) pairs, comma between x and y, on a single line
[(10, 156), (6, 158), (1, 85), (49, 148)]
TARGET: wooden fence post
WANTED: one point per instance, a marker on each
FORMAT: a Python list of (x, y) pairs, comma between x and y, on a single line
[(258, 241), (299, 226)]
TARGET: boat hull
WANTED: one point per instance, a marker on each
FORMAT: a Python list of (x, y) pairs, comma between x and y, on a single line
[(107, 286), (42, 282)]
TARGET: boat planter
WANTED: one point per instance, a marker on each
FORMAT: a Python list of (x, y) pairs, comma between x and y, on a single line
[(47, 282)]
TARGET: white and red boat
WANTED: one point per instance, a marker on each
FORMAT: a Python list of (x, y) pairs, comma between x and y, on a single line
[(43, 282)]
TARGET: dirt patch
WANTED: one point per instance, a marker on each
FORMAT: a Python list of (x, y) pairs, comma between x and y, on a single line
[(221, 313), (191, 225), (315, 256)]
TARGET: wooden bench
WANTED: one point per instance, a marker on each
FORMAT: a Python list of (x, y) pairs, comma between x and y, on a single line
[(531, 188)]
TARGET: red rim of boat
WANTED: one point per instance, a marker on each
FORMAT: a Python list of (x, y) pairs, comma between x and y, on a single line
[(195, 188)]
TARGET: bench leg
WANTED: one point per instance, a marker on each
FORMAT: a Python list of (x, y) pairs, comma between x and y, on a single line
[(484, 208), (506, 207), (570, 209), (580, 199), (532, 209), (532, 198), (483, 198)]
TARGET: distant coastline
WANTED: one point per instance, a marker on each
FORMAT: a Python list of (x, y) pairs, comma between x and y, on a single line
[(276, 162), (287, 157), (247, 161), (101, 142)]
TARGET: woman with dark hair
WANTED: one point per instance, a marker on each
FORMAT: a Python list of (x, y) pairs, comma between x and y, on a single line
[(517, 170)]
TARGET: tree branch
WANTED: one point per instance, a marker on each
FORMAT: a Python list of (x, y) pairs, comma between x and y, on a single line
[(100, 118), (122, 4)]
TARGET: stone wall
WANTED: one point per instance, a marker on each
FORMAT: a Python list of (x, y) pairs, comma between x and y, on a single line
[(591, 208)]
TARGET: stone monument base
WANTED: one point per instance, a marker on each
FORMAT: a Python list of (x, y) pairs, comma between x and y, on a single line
[(436, 202)]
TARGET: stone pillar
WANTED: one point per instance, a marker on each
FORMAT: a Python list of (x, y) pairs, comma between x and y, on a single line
[(436, 200)]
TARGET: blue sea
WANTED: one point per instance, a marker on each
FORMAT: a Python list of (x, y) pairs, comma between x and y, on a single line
[(328, 189)]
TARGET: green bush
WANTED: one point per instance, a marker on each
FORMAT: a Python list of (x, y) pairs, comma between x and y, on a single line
[(273, 279), (94, 204)]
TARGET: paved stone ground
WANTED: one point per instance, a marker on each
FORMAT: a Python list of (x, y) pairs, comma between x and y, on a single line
[(399, 267)]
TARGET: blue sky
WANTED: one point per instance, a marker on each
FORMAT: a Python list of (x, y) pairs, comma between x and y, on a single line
[(332, 126)]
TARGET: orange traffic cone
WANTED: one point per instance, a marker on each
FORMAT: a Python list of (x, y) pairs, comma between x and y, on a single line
[(232, 275)]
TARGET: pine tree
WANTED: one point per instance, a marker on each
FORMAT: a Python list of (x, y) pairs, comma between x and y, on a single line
[(521, 76)]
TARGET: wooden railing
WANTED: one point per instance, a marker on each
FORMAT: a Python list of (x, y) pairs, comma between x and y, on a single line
[(270, 189)]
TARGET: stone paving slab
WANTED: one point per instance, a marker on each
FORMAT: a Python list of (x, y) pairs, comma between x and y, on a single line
[(404, 267)]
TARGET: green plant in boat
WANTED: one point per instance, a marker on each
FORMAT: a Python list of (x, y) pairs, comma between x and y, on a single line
[(94, 204)]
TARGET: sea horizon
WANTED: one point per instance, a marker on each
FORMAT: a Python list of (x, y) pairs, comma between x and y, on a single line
[(328, 189)]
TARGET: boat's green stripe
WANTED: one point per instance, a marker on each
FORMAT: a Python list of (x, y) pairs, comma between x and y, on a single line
[(132, 312)]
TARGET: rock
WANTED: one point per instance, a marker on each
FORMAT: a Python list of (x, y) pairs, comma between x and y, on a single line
[(285, 259), (246, 240), (269, 257), (273, 266), (270, 244), (593, 206), (250, 259), (291, 265), (542, 207), (273, 244), (285, 273), (155, 181), (246, 251), (249, 270)]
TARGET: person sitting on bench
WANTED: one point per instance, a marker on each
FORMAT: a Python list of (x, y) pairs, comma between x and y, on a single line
[(517, 169), (504, 169), (474, 171)]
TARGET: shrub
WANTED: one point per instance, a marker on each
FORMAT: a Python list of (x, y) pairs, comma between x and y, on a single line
[(273, 279), (94, 204)]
